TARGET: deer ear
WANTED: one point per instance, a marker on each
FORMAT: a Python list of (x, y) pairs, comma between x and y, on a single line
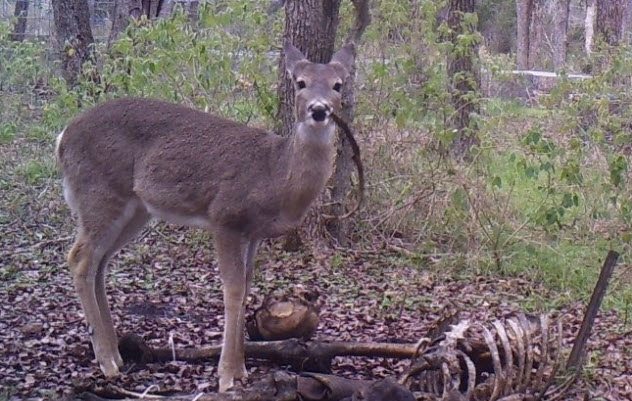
[(345, 57), (292, 57)]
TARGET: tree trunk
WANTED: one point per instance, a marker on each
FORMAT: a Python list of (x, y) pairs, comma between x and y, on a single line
[(589, 25), (523, 23), (21, 13), (126, 9), (560, 36), (537, 35), (627, 18), (464, 79), (311, 26), (123, 11), (610, 17), (74, 36)]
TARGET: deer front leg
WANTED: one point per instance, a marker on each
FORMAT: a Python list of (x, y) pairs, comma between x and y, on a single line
[(249, 261), (231, 249)]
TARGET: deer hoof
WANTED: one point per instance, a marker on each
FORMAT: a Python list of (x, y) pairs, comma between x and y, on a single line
[(226, 383), (242, 373), (110, 369), (118, 360)]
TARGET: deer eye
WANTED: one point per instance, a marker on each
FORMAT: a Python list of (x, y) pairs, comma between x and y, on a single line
[(300, 84), (337, 86)]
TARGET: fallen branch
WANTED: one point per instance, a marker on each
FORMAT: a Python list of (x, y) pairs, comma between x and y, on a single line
[(575, 360), (313, 356)]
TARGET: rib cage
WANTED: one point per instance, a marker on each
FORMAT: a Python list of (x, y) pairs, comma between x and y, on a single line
[(508, 360)]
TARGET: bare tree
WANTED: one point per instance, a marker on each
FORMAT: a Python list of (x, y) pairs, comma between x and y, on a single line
[(560, 36), (537, 34), (126, 9), (524, 10), (589, 25), (464, 79), (189, 6), (74, 36), (20, 12), (609, 21)]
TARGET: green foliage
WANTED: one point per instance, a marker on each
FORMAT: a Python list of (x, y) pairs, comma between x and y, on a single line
[(597, 113), (226, 63), (34, 172), (21, 70), (405, 75), (7, 132), (21, 62), (557, 175)]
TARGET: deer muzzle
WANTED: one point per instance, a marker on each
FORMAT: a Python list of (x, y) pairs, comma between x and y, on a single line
[(319, 111)]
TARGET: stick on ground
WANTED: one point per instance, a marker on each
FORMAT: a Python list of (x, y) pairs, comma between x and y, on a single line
[(575, 360)]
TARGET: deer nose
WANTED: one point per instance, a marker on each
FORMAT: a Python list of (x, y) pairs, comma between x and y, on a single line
[(319, 110)]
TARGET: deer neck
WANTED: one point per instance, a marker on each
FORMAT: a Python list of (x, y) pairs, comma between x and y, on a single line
[(310, 162)]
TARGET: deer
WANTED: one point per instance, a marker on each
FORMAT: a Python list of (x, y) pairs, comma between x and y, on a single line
[(130, 160)]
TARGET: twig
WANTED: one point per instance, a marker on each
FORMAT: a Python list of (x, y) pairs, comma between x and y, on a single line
[(144, 395)]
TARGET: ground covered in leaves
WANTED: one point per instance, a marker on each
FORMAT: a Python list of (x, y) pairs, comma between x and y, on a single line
[(165, 285)]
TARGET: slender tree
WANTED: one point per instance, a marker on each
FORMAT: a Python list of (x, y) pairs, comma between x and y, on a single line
[(74, 36), (560, 37), (589, 25), (124, 10), (21, 13), (523, 23), (609, 21), (537, 34), (464, 78)]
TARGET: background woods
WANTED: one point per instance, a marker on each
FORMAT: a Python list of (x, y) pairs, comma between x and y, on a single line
[(496, 139)]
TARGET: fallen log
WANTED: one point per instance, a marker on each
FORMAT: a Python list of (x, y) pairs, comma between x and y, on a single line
[(313, 356)]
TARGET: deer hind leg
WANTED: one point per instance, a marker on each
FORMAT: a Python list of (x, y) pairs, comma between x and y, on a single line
[(231, 253), (101, 231), (129, 231), (84, 261)]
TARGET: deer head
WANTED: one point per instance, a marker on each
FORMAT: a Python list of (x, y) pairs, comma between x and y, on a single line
[(318, 87)]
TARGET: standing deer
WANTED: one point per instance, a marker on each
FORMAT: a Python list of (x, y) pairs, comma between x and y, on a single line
[(126, 161)]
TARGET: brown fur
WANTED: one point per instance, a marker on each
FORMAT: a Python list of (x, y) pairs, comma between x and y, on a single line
[(191, 163), (128, 159)]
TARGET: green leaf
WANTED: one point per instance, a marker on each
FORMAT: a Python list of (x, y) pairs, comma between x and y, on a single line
[(497, 182), (459, 200)]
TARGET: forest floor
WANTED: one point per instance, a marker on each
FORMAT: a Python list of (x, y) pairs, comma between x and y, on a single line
[(166, 284)]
